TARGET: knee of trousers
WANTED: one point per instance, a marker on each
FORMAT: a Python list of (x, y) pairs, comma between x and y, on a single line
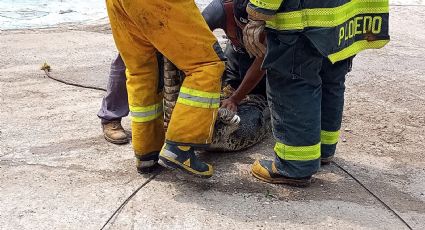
[(205, 78), (144, 88)]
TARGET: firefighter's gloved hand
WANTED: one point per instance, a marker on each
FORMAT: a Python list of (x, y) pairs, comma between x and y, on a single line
[(251, 38)]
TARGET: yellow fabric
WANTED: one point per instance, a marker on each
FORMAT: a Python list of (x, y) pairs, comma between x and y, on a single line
[(201, 127), (326, 17), (146, 113), (199, 93), (184, 148), (145, 119), (187, 162), (256, 15), (297, 153), (177, 30), (147, 137), (329, 137), (145, 108), (198, 104), (267, 4), (355, 48), (197, 98)]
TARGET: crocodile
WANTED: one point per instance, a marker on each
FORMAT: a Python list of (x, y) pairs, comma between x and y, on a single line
[(253, 116)]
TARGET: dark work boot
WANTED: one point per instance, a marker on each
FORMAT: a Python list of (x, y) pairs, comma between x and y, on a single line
[(326, 160), (184, 159), (147, 163)]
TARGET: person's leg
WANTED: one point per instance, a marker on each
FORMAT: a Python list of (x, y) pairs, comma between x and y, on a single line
[(115, 104), (294, 95), (333, 87), (144, 92), (185, 39), (178, 31)]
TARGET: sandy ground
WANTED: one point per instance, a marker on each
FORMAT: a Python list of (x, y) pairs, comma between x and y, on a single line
[(57, 171)]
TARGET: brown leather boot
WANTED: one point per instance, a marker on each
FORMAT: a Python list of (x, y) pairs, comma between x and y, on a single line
[(267, 171), (114, 132)]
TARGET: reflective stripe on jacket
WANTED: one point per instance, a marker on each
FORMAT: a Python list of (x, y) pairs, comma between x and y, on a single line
[(338, 28)]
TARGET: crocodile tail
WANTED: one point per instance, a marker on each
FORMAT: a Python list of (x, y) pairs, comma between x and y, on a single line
[(173, 79)]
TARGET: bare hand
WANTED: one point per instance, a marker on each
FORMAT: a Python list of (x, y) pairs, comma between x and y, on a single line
[(229, 104), (251, 38)]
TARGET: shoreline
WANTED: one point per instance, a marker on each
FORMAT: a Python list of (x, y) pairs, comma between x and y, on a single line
[(105, 21), (98, 26)]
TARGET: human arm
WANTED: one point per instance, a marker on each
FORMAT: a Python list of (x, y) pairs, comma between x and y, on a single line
[(252, 77)]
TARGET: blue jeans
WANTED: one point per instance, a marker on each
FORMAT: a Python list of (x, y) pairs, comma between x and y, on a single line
[(306, 97), (115, 102)]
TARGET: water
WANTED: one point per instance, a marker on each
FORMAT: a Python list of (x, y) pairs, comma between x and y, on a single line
[(19, 14), (16, 14)]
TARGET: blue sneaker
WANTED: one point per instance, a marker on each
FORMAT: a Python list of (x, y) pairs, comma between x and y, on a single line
[(184, 159)]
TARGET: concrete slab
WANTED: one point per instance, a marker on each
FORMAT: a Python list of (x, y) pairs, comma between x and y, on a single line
[(57, 171)]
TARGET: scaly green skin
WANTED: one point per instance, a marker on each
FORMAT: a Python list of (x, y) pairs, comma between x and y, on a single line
[(251, 130), (173, 79)]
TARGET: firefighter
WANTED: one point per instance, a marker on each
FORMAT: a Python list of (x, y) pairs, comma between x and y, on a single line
[(228, 15), (310, 46), (242, 71), (177, 30)]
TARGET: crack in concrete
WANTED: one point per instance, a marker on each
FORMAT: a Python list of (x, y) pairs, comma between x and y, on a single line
[(114, 216)]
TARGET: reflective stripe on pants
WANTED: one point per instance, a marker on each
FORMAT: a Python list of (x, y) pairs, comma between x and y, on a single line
[(306, 96)]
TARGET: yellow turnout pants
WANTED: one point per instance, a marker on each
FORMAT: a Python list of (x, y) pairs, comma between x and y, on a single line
[(176, 29)]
